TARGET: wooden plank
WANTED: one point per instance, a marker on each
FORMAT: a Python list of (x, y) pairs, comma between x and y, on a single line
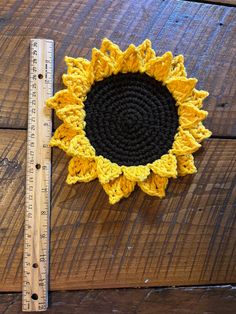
[(204, 33), (214, 300), (187, 238)]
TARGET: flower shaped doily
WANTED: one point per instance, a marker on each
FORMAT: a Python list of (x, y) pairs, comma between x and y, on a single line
[(129, 118)]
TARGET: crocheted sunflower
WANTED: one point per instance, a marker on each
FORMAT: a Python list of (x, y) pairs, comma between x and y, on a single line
[(129, 118)]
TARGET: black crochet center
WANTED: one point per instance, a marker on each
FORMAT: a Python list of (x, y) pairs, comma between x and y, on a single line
[(131, 119)]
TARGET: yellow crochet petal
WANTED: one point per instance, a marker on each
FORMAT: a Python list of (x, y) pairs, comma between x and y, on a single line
[(107, 170), (181, 88), (62, 137), (186, 165), (130, 61), (146, 53), (154, 185), (62, 99), (73, 117), (81, 169), (159, 67), (79, 67), (77, 84), (136, 173), (184, 143), (166, 166), (196, 98), (80, 146), (102, 66), (200, 132), (177, 67), (119, 188), (111, 50), (190, 116)]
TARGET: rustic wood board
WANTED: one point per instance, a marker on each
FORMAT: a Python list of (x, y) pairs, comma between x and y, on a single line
[(187, 238), (214, 300), (204, 33)]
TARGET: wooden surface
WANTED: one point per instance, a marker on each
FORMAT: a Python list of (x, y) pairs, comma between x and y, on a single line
[(188, 237), (212, 300), (204, 33)]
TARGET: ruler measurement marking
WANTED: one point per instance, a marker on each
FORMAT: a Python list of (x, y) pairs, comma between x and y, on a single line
[(38, 176)]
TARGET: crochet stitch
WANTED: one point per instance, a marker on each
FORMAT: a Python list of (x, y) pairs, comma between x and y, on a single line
[(129, 118)]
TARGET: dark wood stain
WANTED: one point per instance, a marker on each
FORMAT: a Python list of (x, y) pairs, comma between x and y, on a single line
[(186, 238), (214, 300), (203, 33)]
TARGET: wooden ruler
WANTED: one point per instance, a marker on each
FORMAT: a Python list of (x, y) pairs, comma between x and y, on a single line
[(38, 178)]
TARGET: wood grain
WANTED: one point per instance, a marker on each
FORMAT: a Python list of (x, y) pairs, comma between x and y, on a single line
[(187, 238), (204, 33), (214, 300)]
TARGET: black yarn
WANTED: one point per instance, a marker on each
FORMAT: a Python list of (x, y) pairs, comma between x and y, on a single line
[(131, 118)]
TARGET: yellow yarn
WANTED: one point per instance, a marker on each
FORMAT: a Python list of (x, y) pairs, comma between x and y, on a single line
[(119, 188), (119, 181)]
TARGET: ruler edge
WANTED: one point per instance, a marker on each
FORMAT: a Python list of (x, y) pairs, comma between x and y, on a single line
[(31, 41)]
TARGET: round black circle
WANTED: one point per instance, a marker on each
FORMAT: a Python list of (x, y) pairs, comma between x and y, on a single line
[(131, 118), (34, 296)]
